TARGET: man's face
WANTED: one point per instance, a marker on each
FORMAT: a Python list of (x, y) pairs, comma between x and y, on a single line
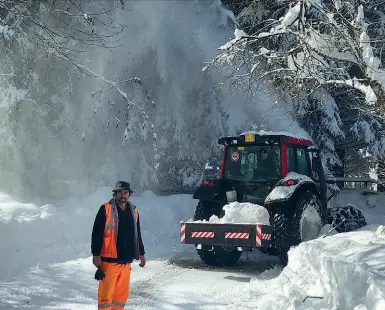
[(122, 196)]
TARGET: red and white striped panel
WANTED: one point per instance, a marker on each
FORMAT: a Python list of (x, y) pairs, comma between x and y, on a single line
[(235, 235), (182, 232), (202, 234), (266, 237), (258, 235)]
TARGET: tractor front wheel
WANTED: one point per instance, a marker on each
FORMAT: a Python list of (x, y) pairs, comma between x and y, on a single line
[(293, 226)]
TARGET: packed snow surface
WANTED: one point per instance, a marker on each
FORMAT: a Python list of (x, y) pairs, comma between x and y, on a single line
[(47, 262), (242, 213)]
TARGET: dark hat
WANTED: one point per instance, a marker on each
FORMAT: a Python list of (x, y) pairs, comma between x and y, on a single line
[(120, 185)]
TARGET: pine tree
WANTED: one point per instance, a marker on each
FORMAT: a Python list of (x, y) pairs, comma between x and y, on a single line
[(319, 52)]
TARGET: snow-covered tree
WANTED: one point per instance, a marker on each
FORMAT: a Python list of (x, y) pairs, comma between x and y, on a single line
[(56, 24), (314, 51), (48, 65), (84, 118)]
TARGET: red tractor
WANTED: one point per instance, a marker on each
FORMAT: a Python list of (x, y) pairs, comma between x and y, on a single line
[(283, 174)]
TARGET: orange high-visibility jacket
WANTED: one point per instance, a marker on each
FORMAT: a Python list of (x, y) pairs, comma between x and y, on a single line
[(111, 231)]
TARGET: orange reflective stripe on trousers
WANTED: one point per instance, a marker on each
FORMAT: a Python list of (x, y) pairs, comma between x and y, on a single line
[(114, 289)]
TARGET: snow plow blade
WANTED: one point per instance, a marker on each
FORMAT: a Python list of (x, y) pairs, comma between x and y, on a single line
[(240, 235)]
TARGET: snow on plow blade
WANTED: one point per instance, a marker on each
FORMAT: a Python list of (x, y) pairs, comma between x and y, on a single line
[(242, 235)]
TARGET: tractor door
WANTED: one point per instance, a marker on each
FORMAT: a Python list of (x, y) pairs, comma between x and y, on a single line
[(298, 160), (307, 161), (318, 174)]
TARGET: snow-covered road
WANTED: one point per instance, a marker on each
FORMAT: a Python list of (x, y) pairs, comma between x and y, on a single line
[(180, 283), (46, 262)]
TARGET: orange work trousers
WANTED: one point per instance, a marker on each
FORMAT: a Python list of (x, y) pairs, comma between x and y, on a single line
[(114, 289)]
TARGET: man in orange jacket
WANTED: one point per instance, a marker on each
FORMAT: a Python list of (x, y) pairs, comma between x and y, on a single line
[(116, 242)]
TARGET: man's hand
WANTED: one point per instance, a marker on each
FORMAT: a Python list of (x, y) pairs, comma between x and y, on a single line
[(96, 260), (142, 261), (99, 274)]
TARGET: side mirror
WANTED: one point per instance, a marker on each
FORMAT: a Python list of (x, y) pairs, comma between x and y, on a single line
[(211, 172), (314, 162), (208, 167), (313, 150)]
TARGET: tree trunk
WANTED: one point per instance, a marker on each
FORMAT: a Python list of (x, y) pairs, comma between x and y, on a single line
[(381, 175), (340, 170)]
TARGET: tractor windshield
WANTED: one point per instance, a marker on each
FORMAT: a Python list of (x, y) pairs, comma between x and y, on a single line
[(253, 162)]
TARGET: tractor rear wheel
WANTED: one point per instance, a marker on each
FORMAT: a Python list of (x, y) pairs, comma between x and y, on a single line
[(220, 255), (293, 226)]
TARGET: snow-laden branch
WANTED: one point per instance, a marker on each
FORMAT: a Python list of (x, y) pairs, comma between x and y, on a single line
[(102, 78), (239, 34), (373, 64), (370, 96), (322, 50), (129, 102)]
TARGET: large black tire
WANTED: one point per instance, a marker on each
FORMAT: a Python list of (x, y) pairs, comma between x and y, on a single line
[(204, 210), (219, 256), (290, 222), (354, 218)]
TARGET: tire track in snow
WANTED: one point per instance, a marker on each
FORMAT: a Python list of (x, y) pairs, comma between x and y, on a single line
[(165, 288)]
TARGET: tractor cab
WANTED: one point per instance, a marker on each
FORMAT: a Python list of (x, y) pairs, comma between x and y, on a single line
[(254, 162)]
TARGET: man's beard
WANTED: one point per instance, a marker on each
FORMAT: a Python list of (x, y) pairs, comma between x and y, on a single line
[(122, 200)]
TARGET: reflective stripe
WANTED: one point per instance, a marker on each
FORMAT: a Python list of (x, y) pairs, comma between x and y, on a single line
[(136, 214), (119, 304), (104, 306), (110, 232), (111, 226)]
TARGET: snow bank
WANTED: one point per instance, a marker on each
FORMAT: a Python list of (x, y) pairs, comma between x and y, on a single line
[(380, 230), (243, 213), (344, 272), (11, 210), (39, 236), (160, 217)]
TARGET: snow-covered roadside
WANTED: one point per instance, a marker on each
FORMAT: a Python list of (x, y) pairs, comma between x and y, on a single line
[(160, 285), (343, 271), (373, 206), (50, 264), (38, 236)]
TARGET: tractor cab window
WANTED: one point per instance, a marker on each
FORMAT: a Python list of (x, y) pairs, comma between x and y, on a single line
[(297, 160), (253, 163)]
